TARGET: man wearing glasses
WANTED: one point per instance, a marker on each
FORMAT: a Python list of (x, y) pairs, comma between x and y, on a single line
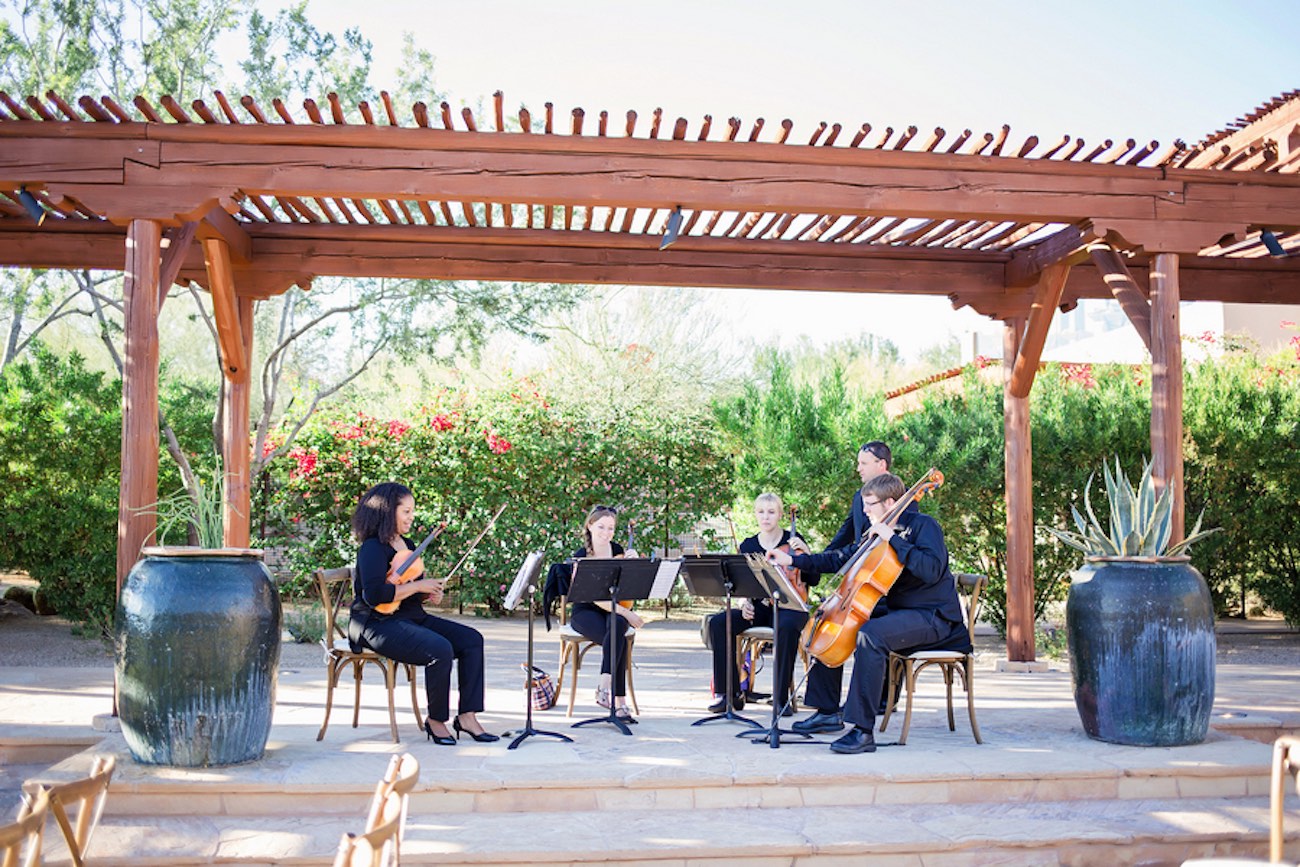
[(923, 613)]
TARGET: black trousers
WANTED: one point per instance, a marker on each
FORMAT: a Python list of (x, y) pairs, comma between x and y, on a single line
[(792, 624), (592, 622), (433, 642), (901, 630)]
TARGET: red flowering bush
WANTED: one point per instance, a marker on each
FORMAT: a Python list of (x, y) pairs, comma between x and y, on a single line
[(467, 452)]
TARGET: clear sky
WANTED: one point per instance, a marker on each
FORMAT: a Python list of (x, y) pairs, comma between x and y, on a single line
[(1143, 69)]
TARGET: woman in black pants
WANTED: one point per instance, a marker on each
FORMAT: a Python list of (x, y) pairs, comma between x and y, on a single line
[(591, 619), (410, 634)]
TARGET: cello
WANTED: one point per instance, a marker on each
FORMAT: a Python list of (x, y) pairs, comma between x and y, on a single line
[(832, 632)]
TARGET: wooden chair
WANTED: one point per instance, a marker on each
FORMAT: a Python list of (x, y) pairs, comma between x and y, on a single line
[(20, 842), (903, 668), (574, 646), (377, 846), (1286, 764), (402, 774), (335, 586), (83, 798)]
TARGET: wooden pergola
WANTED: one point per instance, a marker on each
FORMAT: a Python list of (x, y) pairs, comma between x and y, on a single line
[(990, 222)]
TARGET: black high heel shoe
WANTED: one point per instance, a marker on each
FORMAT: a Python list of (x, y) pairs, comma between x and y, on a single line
[(481, 737), (440, 740)]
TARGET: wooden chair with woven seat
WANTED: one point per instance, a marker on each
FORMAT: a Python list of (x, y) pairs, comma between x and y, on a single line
[(335, 587), (1286, 766), (903, 668), (77, 805), (574, 646), (20, 841)]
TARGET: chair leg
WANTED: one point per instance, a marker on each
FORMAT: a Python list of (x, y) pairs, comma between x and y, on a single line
[(415, 698), (631, 690), (891, 670), (575, 658), (390, 682), (358, 672), (332, 679), (947, 677), (968, 682), (909, 673)]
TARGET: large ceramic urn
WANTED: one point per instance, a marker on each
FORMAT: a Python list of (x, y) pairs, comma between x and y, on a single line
[(198, 645), (1142, 650)]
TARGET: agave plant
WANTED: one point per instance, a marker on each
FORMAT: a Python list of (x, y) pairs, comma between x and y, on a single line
[(1140, 522)]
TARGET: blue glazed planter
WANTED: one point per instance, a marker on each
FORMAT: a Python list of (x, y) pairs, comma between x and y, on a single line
[(1142, 647), (198, 646)]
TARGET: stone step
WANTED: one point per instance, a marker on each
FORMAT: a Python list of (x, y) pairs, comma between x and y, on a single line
[(1103, 831), (576, 787)]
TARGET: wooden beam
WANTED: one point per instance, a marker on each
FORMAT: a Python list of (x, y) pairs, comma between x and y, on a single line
[(1120, 281), (1170, 234), (179, 240), (212, 161), (138, 491), (1020, 504), (1067, 245), (1047, 296), (221, 284), (235, 441), (1167, 386), (219, 224)]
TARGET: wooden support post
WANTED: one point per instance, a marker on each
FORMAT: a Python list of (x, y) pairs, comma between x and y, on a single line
[(1020, 504), (235, 441), (138, 493), (1125, 289), (1051, 282), (1167, 385), (221, 283)]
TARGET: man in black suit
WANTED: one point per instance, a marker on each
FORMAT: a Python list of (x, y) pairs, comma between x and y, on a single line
[(923, 610)]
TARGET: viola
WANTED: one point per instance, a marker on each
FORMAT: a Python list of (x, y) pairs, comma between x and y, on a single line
[(404, 569), (832, 632), (792, 573), (631, 546)]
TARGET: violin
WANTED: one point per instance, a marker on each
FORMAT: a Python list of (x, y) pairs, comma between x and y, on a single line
[(410, 567), (791, 573), (631, 546), (832, 632)]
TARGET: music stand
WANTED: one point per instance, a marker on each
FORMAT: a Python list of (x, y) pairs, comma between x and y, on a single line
[(613, 579), (723, 575), (782, 593), (526, 582)]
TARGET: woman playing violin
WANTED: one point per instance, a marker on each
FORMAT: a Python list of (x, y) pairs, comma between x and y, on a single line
[(923, 610), (410, 634), (768, 510), (591, 619)]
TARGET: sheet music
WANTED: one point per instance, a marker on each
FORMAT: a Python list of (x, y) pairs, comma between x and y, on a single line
[(664, 578), (527, 574)]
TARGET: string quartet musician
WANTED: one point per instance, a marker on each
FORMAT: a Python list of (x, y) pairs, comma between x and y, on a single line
[(410, 634), (591, 619), (769, 511), (923, 611)]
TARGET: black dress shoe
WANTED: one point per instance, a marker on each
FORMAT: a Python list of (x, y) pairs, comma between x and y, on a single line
[(480, 737), (720, 705), (858, 740), (820, 723), (440, 740), (787, 710)]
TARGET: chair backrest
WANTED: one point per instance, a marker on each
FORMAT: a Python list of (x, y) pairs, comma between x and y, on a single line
[(377, 846), (20, 842), (335, 586), (84, 799), (1286, 763), (401, 776), (971, 585)]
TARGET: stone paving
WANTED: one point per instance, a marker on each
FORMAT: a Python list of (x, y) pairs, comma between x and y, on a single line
[(669, 781)]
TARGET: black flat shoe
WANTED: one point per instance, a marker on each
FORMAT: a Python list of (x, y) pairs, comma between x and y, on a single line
[(440, 740), (858, 740), (819, 723), (481, 737)]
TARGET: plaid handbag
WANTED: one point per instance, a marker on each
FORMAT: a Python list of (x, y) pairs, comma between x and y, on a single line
[(541, 689)]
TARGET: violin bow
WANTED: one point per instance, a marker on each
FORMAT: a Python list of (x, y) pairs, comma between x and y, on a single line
[(473, 545)]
